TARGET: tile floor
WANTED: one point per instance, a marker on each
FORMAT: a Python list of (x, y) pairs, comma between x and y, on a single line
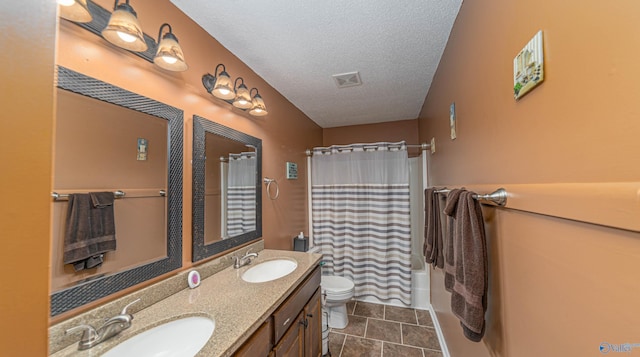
[(385, 331)]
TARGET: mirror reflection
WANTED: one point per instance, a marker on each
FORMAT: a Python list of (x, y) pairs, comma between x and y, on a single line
[(230, 192), (119, 152), (226, 185), (87, 162)]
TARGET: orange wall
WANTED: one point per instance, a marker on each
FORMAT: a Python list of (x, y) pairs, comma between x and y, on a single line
[(26, 131), (557, 287), (406, 130)]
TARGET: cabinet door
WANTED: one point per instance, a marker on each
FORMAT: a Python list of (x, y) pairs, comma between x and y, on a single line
[(292, 343), (313, 332), (259, 344)]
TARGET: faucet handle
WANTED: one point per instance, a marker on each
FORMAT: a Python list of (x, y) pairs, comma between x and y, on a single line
[(124, 309), (89, 333)]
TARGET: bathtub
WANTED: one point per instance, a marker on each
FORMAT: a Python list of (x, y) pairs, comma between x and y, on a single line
[(420, 295)]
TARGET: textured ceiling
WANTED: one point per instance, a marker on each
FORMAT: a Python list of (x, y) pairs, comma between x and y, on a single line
[(296, 46)]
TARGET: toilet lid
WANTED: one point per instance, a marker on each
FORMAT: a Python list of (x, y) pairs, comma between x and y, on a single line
[(336, 284)]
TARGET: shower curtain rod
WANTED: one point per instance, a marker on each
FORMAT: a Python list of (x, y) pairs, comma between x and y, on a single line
[(423, 146), (497, 197)]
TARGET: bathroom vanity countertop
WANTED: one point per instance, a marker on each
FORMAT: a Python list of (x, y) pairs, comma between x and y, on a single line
[(237, 307)]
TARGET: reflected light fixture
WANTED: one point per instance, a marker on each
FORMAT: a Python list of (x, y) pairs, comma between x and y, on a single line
[(169, 55), (123, 29), (243, 97), (257, 104), (75, 10)]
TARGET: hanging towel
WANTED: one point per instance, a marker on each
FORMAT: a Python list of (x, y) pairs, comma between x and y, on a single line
[(449, 264), (90, 229), (432, 230), (470, 279)]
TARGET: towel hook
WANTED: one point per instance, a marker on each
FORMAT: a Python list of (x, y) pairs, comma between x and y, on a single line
[(268, 182)]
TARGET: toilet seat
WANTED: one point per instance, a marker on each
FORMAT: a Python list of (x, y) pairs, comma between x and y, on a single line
[(337, 287)]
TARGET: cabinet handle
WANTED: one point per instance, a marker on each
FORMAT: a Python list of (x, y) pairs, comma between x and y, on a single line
[(309, 315), (304, 322), (286, 322)]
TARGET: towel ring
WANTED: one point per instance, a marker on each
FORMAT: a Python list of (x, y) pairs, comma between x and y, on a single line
[(268, 182)]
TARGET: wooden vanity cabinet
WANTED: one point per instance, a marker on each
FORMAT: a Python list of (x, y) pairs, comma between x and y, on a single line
[(292, 343), (294, 329), (313, 332), (260, 343)]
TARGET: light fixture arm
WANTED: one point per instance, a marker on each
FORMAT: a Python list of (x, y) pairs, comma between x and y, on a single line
[(160, 32), (235, 84), (224, 69), (251, 91)]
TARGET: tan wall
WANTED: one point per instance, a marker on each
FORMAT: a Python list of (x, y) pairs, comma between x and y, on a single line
[(285, 132), (26, 133), (557, 287), (406, 130)]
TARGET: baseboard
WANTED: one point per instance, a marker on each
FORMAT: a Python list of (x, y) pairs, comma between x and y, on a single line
[(436, 326)]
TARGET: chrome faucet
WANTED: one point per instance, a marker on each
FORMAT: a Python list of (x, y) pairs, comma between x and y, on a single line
[(111, 327), (244, 260)]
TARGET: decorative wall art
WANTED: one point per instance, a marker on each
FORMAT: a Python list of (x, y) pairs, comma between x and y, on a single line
[(528, 67)]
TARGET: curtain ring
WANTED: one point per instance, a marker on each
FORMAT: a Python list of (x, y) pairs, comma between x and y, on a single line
[(268, 182)]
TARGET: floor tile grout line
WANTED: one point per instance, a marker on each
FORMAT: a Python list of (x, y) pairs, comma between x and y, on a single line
[(366, 324), (344, 341)]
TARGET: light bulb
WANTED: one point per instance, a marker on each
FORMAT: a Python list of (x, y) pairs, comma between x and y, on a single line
[(224, 91), (66, 2), (169, 59), (126, 37), (243, 102)]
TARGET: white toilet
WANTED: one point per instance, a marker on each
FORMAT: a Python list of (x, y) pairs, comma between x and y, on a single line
[(336, 292)]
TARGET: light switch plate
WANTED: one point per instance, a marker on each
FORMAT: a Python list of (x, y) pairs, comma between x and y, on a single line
[(143, 148)]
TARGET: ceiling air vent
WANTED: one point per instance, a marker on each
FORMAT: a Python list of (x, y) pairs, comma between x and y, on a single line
[(345, 80)]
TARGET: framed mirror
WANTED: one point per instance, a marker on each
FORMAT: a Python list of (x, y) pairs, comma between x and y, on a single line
[(107, 138), (227, 195)]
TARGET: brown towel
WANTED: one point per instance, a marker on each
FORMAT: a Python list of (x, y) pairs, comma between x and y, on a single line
[(90, 229), (449, 257), (432, 230), (469, 293)]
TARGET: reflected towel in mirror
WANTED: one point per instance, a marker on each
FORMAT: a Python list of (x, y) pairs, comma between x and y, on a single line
[(90, 229)]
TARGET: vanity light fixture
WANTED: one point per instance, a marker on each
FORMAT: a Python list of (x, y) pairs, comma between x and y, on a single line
[(220, 84), (257, 108), (243, 97), (123, 29), (169, 55), (75, 10)]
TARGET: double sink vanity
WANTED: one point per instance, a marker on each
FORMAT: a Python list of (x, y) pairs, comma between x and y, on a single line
[(270, 305)]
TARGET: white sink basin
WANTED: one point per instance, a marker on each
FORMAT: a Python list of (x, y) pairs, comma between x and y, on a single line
[(269, 270), (178, 338)]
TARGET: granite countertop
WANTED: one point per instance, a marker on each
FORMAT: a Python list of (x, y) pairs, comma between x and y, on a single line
[(237, 307)]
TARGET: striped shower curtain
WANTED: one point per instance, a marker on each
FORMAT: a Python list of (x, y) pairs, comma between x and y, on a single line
[(361, 217), (241, 194)]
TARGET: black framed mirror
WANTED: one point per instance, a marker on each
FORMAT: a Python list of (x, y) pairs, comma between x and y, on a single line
[(227, 195), (102, 285)]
